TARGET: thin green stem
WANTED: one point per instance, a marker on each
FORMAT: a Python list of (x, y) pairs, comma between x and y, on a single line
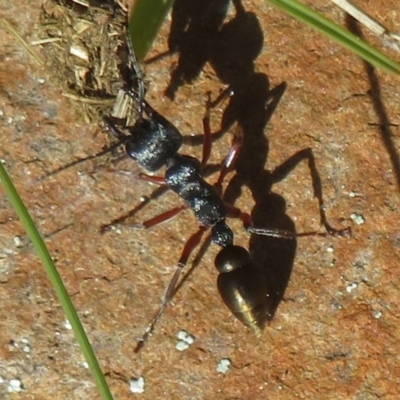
[(338, 34), (56, 281)]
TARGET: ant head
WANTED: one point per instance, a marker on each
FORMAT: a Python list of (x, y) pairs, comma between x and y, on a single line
[(152, 144)]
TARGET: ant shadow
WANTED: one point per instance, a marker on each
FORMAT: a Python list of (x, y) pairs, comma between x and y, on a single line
[(231, 48), (194, 28), (375, 93), (275, 255)]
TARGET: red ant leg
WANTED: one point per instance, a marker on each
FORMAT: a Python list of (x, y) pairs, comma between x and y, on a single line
[(158, 180), (207, 141), (165, 216), (190, 245), (230, 160)]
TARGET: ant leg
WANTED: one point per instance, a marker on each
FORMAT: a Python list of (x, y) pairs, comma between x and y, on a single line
[(144, 105), (77, 162), (111, 127), (190, 245), (158, 180), (207, 141), (229, 162), (277, 175), (132, 94), (153, 221), (235, 212), (159, 219), (286, 167), (154, 196), (230, 159), (207, 137), (163, 217), (155, 116)]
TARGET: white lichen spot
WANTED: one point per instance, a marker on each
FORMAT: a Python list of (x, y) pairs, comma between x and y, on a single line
[(377, 314), (351, 287), (181, 346), (14, 385), (185, 340), (137, 385), (67, 325), (17, 241), (357, 218), (26, 346), (223, 365)]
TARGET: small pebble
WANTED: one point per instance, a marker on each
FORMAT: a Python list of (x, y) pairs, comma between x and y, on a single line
[(351, 287), (14, 385), (67, 325), (357, 218), (137, 385), (223, 365), (377, 314), (185, 340)]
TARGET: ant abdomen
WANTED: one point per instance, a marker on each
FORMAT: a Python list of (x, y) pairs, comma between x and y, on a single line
[(242, 286)]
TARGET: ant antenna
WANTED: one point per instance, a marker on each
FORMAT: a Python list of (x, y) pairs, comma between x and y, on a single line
[(136, 69)]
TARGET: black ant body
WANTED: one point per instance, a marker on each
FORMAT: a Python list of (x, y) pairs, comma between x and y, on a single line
[(154, 142)]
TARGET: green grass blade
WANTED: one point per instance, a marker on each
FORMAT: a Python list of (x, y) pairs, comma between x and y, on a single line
[(338, 34), (144, 23), (56, 281)]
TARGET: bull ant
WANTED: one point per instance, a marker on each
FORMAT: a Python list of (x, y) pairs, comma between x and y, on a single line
[(154, 142)]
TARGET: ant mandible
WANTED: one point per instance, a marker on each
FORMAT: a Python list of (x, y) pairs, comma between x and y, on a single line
[(154, 142)]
